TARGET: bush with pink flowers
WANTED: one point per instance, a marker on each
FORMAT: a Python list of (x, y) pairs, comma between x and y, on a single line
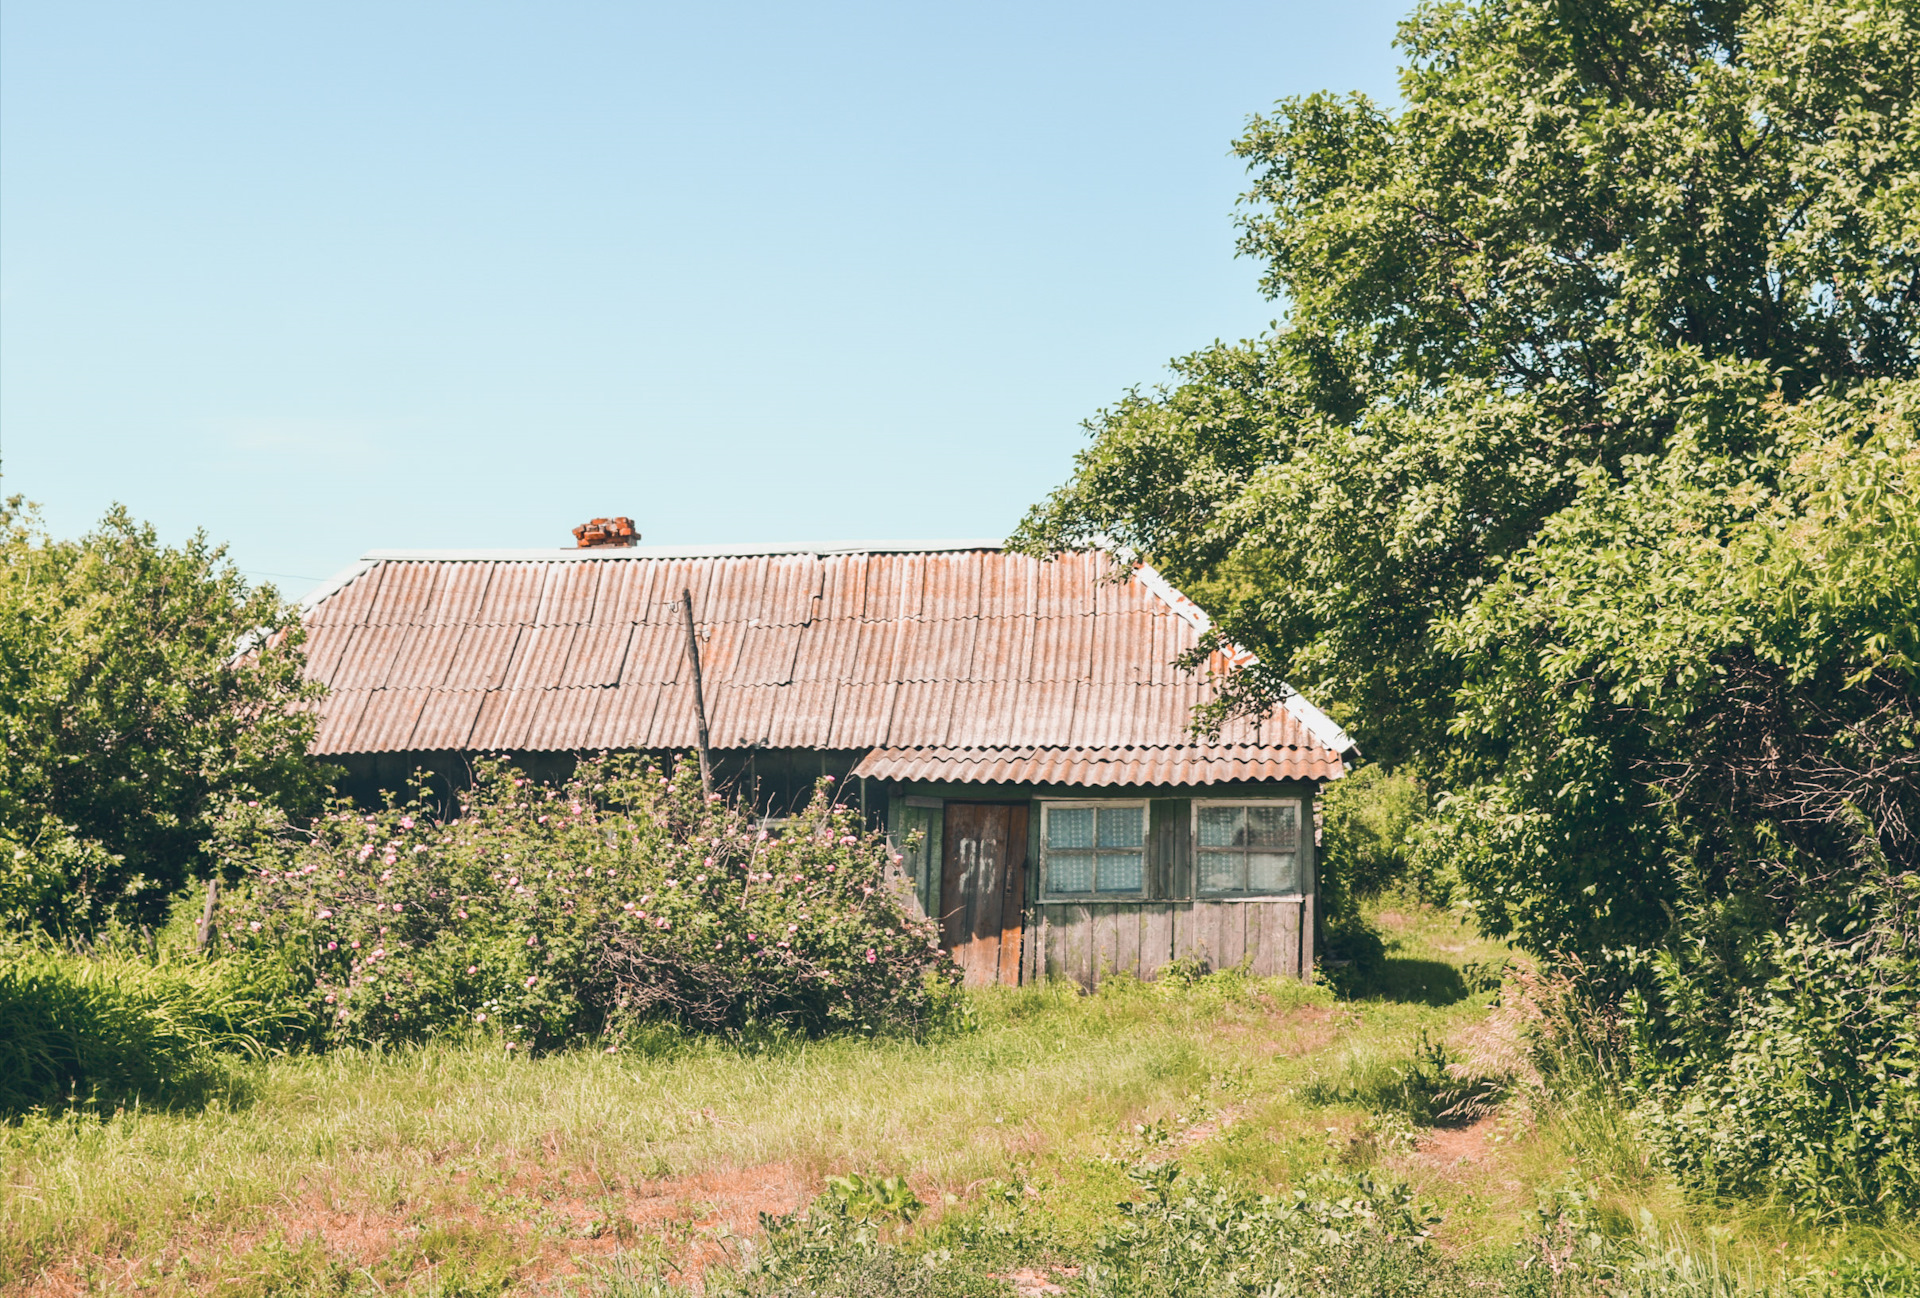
[(546, 915)]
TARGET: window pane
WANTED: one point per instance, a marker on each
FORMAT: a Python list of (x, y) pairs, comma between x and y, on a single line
[(1122, 827), (1270, 872), (1219, 825), (1070, 827), (1122, 871), (1220, 871), (1273, 826), (1069, 871)]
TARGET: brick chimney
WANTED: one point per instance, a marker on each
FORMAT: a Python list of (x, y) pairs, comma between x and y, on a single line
[(605, 531)]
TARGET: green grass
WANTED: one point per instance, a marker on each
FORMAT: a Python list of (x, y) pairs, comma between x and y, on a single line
[(458, 1169)]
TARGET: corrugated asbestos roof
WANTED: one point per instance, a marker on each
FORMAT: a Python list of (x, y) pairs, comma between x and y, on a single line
[(953, 661)]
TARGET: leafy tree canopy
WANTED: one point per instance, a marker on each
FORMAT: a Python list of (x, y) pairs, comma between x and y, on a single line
[(128, 715), (1588, 225)]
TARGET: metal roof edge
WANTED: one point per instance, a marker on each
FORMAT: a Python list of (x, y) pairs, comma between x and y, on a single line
[(748, 550), (334, 585), (1317, 723)]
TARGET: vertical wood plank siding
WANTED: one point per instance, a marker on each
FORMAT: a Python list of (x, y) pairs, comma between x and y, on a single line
[(1088, 942)]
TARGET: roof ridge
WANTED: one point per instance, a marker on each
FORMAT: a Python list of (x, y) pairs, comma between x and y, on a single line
[(744, 550)]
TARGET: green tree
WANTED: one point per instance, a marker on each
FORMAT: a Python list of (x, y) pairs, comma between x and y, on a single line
[(1588, 227), (1582, 473), (141, 686)]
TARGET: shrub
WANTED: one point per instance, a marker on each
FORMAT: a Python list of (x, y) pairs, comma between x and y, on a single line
[(1804, 1083), (554, 914), (1366, 831)]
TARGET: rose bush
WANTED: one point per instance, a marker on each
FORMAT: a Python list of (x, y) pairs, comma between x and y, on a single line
[(549, 915)]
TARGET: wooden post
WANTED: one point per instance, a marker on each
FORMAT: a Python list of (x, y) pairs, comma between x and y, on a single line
[(699, 697), (204, 931)]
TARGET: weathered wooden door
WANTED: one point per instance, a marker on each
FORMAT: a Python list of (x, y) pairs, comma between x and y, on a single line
[(983, 889)]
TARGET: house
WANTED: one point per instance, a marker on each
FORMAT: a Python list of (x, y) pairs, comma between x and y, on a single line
[(1018, 726)]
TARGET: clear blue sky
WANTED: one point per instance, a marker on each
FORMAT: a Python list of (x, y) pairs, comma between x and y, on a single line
[(327, 278)]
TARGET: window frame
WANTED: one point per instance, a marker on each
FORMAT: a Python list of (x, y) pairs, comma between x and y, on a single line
[(1145, 890), (1302, 860)]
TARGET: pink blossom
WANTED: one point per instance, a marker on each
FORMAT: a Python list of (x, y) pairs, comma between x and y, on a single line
[(848, 840), (793, 928), (575, 807), (326, 914), (532, 940), (396, 908), (531, 980), (255, 926), (662, 922), (463, 914), (509, 1045), (473, 968), (479, 1018), (406, 822), (366, 851), (871, 957), (329, 998), (356, 944), (611, 1049), (333, 946)]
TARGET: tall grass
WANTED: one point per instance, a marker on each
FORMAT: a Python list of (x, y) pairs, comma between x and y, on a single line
[(105, 1029)]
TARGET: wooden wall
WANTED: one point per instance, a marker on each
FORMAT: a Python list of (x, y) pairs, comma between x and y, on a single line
[(1087, 942)]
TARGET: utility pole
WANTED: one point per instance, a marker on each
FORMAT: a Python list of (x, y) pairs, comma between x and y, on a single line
[(699, 697)]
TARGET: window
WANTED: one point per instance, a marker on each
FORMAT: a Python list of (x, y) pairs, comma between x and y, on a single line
[(1093, 848), (1248, 847)]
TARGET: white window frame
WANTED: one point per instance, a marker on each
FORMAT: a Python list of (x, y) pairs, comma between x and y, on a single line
[(1302, 861), (1047, 808)]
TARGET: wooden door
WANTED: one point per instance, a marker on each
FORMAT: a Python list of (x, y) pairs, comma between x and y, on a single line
[(983, 889)]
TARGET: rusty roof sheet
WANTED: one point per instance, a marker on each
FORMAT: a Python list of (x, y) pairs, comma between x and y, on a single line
[(956, 661)]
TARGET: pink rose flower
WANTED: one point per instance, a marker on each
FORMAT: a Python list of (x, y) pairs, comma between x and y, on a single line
[(871, 957)]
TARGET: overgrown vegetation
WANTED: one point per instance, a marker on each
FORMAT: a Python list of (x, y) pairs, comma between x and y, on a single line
[(544, 916), (1584, 477), (622, 902), (1266, 1137)]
